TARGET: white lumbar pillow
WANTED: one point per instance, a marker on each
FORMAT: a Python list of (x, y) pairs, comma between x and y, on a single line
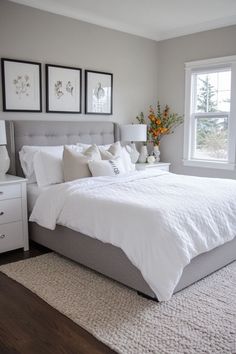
[(47, 168), (114, 167), (116, 150)]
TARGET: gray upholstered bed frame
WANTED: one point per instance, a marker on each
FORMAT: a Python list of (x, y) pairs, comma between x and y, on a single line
[(104, 258)]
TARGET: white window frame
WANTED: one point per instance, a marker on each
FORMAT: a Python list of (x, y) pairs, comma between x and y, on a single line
[(208, 65)]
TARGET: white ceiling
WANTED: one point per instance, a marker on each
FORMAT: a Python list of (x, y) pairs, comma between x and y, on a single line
[(154, 19)]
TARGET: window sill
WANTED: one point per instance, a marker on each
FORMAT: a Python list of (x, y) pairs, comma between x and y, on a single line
[(209, 164)]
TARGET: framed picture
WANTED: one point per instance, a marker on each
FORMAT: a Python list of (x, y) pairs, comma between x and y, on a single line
[(63, 89), (98, 92), (21, 86)]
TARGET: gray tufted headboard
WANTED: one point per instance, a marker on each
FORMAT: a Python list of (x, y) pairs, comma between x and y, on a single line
[(51, 133)]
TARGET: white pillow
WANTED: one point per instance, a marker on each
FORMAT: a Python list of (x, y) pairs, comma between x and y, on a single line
[(86, 146), (27, 154), (113, 167), (129, 165), (47, 168), (122, 151), (116, 150), (75, 163), (113, 151)]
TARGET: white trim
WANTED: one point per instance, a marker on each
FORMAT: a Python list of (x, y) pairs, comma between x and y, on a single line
[(210, 62), (209, 164), (189, 124)]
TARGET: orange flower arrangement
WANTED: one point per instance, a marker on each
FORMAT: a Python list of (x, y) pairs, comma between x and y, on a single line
[(162, 123)]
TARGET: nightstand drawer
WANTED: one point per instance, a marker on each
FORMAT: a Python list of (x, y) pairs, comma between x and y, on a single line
[(10, 191), (10, 210), (11, 236)]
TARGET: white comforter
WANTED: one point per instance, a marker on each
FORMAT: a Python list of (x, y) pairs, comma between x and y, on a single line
[(159, 219)]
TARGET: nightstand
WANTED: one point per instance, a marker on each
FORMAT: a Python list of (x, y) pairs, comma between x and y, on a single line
[(13, 214), (160, 165)]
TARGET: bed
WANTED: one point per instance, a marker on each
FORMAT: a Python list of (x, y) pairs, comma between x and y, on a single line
[(99, 256)]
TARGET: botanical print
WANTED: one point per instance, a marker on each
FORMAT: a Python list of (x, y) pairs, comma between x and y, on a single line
[(59, 89), (98, 92), (99, 98), (69, 88), (22, 85), (63, 86)]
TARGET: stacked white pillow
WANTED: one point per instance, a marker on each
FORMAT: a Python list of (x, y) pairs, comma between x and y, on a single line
[(44, 164), (27, 155), (112, 151), (48, 169)]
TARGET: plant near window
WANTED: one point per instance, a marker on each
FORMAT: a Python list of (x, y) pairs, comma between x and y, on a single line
[(162, 122)]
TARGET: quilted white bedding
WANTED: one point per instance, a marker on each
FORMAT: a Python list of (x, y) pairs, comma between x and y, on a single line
[(160, 220)]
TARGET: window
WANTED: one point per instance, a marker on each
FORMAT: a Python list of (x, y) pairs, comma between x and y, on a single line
[(210, 127)]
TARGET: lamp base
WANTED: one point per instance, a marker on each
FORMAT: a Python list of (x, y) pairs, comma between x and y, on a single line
[(134, 154), (4, 161)]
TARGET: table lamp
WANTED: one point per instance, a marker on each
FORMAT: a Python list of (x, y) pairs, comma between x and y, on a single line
[(4, 158), (133, 133)]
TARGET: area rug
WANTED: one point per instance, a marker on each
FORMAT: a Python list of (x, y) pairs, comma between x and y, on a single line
[(200, 319)]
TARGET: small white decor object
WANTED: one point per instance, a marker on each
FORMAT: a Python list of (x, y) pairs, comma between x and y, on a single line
[(151, 159), (143, 154), (4, 158), (156, 152), (132, 133)]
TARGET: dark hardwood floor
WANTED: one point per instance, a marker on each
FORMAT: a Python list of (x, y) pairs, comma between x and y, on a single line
[(28, 325)]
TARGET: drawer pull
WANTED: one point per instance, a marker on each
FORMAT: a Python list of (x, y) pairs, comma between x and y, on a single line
[(2, 236), (1, 213)]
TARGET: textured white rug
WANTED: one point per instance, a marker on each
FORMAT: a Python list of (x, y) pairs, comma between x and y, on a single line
[(200, 319)]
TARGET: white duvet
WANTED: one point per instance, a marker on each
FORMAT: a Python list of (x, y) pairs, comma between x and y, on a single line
[(159, 219)]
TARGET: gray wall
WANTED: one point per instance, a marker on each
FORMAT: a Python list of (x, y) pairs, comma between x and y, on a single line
[(143, 69), (172, 54), (31, 34)]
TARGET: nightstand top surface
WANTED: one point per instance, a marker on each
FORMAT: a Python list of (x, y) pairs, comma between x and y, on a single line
[(153, 164), (8, 179)]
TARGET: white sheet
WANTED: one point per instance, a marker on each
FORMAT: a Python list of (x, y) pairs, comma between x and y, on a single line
[(159, 219), (33, 192)]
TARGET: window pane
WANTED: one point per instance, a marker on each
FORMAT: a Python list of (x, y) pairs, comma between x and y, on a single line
[(212, 92), (224, 101), (211, 141)]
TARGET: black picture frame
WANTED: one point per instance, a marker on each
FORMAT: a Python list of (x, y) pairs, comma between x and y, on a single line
[(49, 91), (88, 89), (8, 90)]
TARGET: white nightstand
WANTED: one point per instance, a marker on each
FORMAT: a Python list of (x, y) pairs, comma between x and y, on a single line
[(160, 165), (13, 214)]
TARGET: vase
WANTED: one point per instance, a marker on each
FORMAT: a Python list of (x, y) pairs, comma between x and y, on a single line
[(134, 154), (143, 154), (4, 161), (156, 152)]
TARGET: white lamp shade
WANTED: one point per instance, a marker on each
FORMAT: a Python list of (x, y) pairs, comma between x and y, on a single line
[(134, 132), (3, 138)]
